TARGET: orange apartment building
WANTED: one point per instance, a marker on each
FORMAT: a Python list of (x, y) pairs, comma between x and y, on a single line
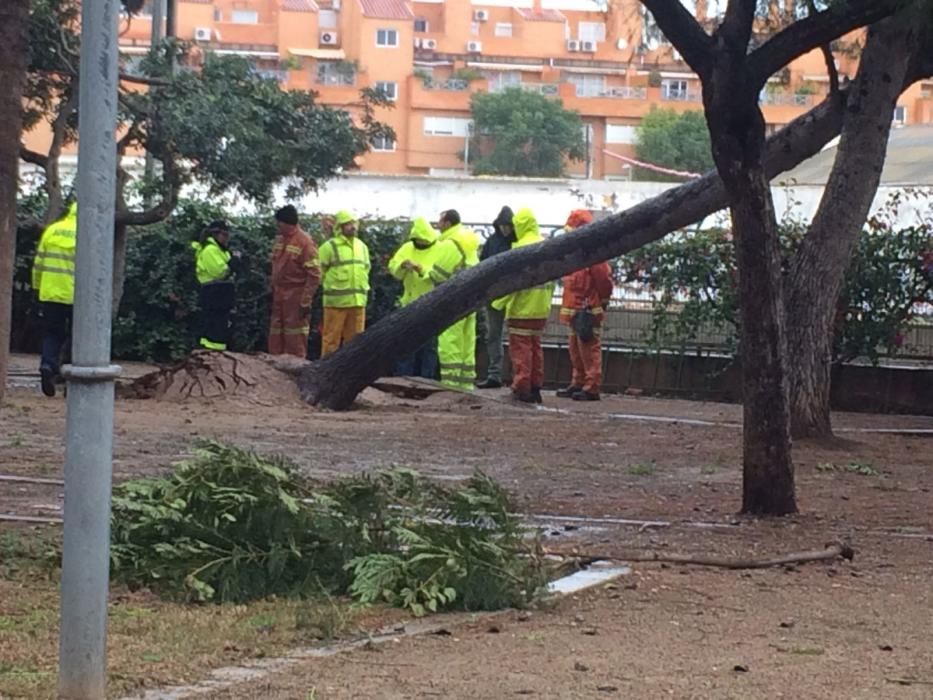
[(603, 58)]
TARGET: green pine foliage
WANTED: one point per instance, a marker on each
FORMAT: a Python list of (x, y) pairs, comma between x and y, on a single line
[(230, 526)]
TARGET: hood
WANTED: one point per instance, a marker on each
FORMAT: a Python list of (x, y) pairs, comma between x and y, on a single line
[(525, 225), (71, 212), (578, 218), (343, 217), (505, 216), (421, 230)]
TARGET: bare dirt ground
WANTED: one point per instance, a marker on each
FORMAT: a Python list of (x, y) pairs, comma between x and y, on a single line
[(859, 630)]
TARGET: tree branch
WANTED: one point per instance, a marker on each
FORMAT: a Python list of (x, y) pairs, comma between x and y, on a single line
[(171, 184), (684, 32), (736, 27), (33, 157), (806, 34), (828, 57)]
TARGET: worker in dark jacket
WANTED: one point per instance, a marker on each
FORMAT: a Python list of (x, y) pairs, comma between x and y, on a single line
[(501, 240)]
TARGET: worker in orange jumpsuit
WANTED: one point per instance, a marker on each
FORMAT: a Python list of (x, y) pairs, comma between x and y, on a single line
[(296, 275), (583, 307)]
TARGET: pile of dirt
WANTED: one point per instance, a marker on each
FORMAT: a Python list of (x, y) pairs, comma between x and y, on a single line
[(207, 375)]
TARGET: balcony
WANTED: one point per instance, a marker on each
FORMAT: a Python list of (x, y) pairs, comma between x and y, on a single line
[(546, 89), (623, 92), (451, 84), (678, 96), (786, 99)]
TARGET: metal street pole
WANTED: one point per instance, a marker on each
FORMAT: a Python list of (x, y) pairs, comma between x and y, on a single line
[(89, 423)]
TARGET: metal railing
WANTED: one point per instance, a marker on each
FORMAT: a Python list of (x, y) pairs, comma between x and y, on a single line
[(335, 79), (787, 99), (546, 89), (451, 84), (677, 96)]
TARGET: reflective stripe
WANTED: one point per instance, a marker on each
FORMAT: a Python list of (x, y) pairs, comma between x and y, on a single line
[(292, 249), (297, 331), (347, 262), (59, 270), (211, 345), (58, 256), (565, 310), (343, 292), (441, 272), (525, 331)]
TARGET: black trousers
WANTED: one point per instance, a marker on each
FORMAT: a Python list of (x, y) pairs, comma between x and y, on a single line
[(56, 333), (216, 302)]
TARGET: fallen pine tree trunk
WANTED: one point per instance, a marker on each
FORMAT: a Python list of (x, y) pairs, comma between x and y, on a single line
[(335, 381), (831, 552)]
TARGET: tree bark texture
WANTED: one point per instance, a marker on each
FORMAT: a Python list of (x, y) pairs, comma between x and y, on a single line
[(819, 266), (737, 133), (335, 381), (13, 22)]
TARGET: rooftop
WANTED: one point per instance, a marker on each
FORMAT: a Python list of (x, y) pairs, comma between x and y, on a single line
[(299, 6), (386, 9)]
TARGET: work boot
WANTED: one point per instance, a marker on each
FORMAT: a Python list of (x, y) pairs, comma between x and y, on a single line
[(568, 392), (536, 394), (523, 397), (48, 381), (489, 384), (585, 396)]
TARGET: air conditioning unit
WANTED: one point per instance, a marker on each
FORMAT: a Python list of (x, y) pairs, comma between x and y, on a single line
[(430, 44), (480, 15), (202, 33), (573, 45), (328, 38), (474, 46), (621, 44), (588, 46)]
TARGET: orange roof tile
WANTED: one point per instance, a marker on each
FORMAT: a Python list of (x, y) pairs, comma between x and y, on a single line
[(386, 9), (540, 15), (299, 6)]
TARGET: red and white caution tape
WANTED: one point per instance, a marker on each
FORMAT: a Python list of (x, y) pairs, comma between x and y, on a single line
[(650, 166)]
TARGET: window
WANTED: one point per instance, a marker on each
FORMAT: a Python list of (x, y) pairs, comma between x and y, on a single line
[(387, 37), (327, 19), (501, 80), (387, 88), (620, 133), (218, 15), (335, 73), (591, 31), (900, 115), (382, 143), (503, 29), (446, 126), (421, 25), (588, 85), (245, 17), (674, 89)]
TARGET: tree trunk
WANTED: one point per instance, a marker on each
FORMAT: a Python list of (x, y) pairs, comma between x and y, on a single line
[(119, 264), (819, 267), (737, 133), (13, 22), (335, 381)]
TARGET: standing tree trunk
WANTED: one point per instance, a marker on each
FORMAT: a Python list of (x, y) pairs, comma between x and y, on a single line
[(819, 267), (335, 381), (737, 132), (13, 22)]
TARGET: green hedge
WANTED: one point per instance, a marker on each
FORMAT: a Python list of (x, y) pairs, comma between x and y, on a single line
[(158, 313)]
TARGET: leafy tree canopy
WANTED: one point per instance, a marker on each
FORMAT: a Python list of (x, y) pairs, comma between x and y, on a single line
[(672, 140), (523, 133)]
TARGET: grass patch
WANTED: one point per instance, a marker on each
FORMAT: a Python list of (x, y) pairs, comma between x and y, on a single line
[(153, 642), (859, 468), (642, 469)]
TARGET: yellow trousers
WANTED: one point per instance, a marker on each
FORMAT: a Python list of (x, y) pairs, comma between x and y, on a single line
[(340, 326), (456, 353)]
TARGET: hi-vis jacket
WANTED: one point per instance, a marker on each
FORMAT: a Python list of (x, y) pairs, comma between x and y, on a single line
[(533, 303), (417, 283), (211, 262), (466, 240), (345, 264), (53, 270)]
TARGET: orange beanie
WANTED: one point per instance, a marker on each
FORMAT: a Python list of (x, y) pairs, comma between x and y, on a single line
[(578, 218)]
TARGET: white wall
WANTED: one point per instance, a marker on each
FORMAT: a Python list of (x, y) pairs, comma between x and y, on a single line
[(479, 199)]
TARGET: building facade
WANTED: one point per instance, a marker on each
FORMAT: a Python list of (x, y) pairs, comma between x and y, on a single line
[(602, 58)]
